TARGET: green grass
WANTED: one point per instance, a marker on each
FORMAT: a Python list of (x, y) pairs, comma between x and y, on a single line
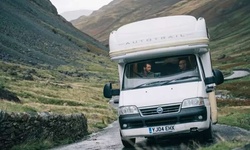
[(55, 91), (58, 90), (231, 39), (225, 146), (235, 115), (15, 107), (238, 119)]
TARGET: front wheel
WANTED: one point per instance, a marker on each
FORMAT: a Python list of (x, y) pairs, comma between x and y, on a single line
[(127, 142), (207, 135)]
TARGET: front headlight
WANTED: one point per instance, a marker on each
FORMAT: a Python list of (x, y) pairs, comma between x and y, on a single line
[(193, 102), (125, 110)]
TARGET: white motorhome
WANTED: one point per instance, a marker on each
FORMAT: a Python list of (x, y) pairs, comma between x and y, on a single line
[(157, 96)]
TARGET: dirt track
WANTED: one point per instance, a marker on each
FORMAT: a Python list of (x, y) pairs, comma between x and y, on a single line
[(109, 139)]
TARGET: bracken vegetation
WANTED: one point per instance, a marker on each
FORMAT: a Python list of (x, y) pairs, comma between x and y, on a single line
[(238, 88)]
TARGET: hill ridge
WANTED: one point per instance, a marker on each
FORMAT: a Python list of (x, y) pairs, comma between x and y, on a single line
[(32, 32)]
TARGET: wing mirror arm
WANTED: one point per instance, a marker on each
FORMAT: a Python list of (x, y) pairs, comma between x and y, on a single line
[(108, 92), (210, 88)]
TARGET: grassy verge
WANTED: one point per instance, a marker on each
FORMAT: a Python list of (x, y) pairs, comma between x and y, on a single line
[(235, 116), (225, 146), (234, 113), (61, 90), (67, 90), (66, 98)]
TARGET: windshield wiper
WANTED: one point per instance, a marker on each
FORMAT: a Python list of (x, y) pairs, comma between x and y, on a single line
[(181, 78), (164, 82), (149, 84)]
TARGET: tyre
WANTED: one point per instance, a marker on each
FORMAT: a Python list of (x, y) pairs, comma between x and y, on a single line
[(207, 135), (151, 140), (127, 142)]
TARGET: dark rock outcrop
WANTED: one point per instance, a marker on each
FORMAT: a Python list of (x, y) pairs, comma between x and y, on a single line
[(8, 95)]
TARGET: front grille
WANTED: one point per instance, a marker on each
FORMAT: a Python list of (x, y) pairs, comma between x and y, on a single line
[(137, 124), (166, 109), (160, 122), (185, 119)]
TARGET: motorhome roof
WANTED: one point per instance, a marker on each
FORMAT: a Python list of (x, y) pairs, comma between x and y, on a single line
[(163, 32)]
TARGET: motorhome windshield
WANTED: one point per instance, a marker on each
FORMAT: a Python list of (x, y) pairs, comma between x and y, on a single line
[(161, 71)]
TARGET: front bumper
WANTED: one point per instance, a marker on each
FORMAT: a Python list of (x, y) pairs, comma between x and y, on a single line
[(185, 120)]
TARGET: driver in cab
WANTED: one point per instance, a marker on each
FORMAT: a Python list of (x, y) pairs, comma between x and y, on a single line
[(147, 71)]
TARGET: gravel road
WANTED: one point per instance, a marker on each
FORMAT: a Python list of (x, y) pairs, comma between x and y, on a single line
[(109, 139), (238, 74)]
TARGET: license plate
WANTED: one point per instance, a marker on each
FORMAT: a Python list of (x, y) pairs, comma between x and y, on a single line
[(161, 129)]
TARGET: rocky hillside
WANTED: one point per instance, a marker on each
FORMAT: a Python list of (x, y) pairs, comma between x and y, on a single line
[(32, 32), (227, 20), (119, 12), (47, 65)]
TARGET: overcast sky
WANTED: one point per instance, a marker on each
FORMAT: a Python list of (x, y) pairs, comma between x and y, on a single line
[(69, 5)]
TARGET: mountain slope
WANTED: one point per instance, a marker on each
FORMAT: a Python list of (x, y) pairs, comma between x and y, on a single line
[(32, 32), (47, 65), (227, 20), (119, 12), (72, 15)]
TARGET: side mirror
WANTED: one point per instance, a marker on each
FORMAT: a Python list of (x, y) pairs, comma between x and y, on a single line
[(108, 92), (219, 78)]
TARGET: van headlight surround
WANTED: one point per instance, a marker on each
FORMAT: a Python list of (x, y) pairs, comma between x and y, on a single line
[(193, 102), (126, 110)]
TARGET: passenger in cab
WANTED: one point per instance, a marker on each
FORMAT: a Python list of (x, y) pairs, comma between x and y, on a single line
[(183, 65)]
